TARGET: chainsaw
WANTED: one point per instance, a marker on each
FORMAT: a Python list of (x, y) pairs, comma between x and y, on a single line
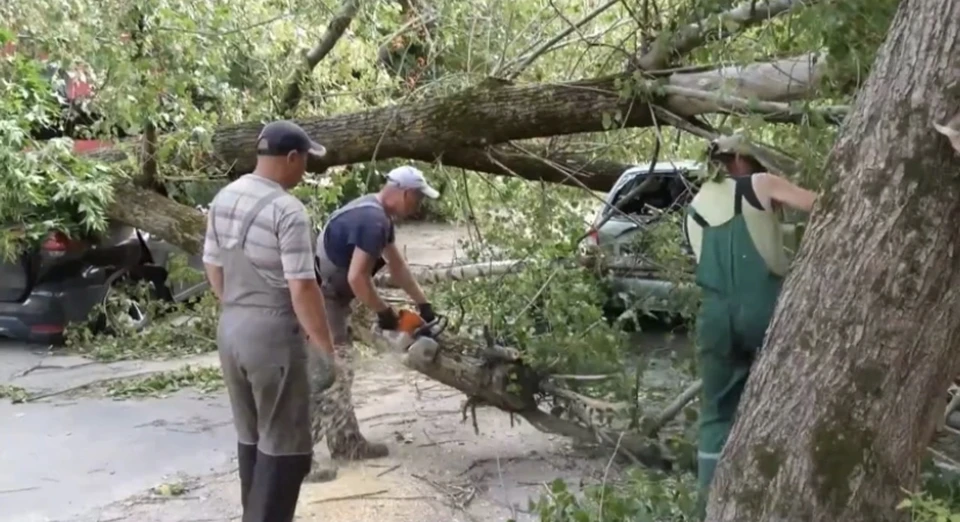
[(413, 337)]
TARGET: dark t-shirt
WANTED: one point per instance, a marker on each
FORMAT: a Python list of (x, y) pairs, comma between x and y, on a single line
[(366, 228)]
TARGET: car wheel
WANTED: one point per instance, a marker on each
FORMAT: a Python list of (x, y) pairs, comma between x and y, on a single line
[(124, 306)]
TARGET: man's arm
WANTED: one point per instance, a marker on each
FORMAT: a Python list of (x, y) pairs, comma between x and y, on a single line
[(360, 277), (296, 256), (369, 238), (401, 274), (783, 191), (211, 258)]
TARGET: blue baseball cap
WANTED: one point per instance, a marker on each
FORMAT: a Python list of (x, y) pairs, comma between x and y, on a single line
[(282, 137)]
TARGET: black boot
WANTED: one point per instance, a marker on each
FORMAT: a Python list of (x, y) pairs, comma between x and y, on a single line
[(276, 487), (246, 460)]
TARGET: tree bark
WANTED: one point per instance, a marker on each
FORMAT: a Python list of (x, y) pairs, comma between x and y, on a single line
[(849, 387)]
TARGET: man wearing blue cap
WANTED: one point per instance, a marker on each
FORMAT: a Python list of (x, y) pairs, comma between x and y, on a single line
[(357, 241), (258, 256)]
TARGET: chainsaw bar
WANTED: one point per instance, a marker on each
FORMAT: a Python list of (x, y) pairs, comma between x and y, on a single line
[(433, 328)]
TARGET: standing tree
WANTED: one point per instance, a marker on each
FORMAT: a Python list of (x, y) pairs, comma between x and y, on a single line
[(845, 397)]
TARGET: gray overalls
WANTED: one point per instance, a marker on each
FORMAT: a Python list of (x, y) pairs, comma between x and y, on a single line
[(335, 415), (264, 361)]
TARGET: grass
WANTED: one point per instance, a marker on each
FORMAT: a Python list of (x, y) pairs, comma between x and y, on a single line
[(206, 379), (16, 394)]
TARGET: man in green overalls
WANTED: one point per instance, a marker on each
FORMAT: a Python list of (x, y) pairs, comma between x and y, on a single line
[(733, 226)]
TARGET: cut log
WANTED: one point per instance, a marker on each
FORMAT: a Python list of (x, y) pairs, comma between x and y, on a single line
[(513, 387), (459, 366)]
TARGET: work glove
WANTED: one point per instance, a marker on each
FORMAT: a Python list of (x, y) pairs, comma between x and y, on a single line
[(387, 319), (325, 369), (426, 312)]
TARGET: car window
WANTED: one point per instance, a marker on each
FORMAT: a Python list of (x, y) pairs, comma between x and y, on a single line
[(661, 191)]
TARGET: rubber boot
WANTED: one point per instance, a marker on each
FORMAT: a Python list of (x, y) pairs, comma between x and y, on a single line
[(246, 461), (276, 487), (355, 447)]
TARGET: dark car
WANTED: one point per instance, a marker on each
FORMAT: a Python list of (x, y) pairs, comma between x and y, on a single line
[(62, 281)]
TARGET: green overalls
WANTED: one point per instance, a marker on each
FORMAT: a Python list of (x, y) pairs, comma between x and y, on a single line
[(741, 262)]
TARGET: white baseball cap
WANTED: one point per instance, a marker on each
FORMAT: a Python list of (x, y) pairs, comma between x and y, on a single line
[(410, 178)]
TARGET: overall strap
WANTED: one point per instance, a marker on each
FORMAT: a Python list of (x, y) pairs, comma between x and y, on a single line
[(744, 190), (697, 218), (213, 223), (343, 210), (254, 212)]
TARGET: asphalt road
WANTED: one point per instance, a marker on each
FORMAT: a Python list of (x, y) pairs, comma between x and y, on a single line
[(65, 456)]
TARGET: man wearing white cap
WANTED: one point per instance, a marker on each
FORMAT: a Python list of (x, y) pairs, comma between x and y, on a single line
[(357, 241)]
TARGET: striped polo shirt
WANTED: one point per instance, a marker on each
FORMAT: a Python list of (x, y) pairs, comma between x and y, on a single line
[(279, 244)]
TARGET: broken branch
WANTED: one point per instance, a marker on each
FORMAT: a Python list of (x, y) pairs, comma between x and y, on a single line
[(673, 45), (335, 29)]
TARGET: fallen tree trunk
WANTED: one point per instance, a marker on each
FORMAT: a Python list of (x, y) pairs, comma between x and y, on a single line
[(151, 212), (489, 376), (848, 389), (456, 128)]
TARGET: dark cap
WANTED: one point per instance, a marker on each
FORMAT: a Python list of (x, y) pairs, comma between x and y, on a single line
[(280, 138)]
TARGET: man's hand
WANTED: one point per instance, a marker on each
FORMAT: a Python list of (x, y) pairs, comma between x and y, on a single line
[(426, 312), (387, 319)]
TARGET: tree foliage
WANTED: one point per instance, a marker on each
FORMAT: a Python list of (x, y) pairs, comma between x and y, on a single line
[(189, 67)]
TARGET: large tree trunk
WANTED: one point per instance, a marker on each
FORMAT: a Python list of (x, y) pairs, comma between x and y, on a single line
[(848, 390)]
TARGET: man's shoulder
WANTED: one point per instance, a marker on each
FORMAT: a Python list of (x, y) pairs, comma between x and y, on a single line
[(370, 216), (287, 202)]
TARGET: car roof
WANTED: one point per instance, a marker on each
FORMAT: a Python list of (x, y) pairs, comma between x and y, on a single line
[(660, 167)]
